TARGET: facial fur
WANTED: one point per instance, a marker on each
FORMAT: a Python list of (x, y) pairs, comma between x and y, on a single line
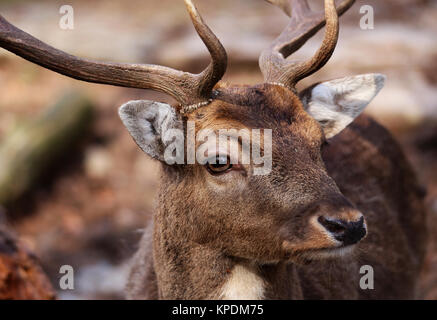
[(267, 217)]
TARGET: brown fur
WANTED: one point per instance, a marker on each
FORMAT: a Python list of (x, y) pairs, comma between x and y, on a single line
[(204, 225)]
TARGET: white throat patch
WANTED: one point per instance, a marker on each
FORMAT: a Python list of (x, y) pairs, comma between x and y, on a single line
[(243, 284)]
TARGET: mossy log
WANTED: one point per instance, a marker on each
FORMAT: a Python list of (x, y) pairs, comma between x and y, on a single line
[(30, 150)]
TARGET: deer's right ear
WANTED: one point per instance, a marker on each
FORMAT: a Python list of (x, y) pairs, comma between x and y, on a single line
[(150, 124)]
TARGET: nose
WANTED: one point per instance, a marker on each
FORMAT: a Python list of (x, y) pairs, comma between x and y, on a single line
[(347, 232)]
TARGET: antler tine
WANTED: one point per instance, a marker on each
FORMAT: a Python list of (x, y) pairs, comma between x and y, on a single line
[(219, 59), (185, 87), (303, 25)]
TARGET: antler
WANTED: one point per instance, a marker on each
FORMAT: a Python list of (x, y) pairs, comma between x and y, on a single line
[(303, 25), (185, 87)]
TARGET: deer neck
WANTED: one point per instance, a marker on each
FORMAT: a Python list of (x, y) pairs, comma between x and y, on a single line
[(187, 270)]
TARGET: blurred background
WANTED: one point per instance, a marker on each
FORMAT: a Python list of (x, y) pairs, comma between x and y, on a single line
[(76, 189)]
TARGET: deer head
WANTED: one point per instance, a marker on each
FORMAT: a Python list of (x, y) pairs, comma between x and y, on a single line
[(295, 210)]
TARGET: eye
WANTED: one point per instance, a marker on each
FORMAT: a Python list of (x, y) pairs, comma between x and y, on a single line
[(219, 165)]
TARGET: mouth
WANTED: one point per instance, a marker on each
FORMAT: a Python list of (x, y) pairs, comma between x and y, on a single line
[(328, 253), (318, 253)]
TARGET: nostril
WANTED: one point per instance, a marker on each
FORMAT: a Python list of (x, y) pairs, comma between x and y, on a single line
[(346, 232), (336, 227)]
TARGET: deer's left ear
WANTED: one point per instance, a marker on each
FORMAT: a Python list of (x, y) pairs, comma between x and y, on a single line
[(335, 104)]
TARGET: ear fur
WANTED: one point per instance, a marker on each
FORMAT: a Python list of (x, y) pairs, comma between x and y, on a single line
[(336, 103), (148, 122)]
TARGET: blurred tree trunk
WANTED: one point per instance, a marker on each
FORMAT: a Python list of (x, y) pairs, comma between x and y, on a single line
[(30, 150), (21, 277)]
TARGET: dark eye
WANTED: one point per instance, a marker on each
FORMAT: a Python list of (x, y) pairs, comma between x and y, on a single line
[(222, 164)]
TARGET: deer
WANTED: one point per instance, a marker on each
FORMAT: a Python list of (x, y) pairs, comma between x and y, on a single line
[(340, 194)]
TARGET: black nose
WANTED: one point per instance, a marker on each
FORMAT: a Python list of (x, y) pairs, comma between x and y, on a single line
[(346, 232)]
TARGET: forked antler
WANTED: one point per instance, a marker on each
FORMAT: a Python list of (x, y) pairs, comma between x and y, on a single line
[(185, 87), (303, 25)]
